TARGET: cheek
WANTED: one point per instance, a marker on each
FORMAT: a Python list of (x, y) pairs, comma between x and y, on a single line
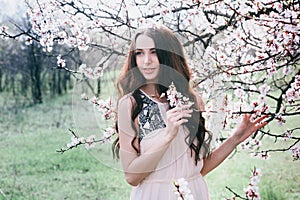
[(138, 61), (155, 59)]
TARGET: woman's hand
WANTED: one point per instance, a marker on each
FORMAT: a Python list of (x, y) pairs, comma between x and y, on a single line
[(176, 117), (247, 127), (243, 131)]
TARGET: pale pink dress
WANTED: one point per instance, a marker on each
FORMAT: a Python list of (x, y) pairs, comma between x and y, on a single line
[(176, 163)]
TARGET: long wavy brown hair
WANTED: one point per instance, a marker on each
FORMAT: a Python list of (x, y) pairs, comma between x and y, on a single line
[(173, 68)]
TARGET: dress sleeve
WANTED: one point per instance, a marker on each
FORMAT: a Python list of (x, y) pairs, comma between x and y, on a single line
[(124, 116)]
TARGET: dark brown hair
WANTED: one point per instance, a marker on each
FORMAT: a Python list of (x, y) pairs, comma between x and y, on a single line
[(173, 68)]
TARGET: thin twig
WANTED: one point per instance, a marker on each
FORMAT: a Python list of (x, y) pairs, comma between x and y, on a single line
[(235, 194)]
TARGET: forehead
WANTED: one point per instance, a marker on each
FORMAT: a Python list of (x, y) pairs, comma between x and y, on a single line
[(144, 42)]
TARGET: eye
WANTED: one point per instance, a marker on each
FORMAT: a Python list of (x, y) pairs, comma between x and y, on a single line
[(138, 53), (153, 51)]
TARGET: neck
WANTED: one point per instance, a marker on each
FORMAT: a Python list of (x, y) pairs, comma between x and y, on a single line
[(150, 90)]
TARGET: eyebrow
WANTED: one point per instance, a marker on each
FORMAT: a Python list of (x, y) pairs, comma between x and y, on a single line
[(146, 48)]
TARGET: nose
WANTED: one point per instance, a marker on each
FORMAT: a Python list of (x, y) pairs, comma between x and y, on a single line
[(147, 58)]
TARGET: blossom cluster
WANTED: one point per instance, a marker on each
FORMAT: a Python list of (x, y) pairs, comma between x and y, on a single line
[(252, 191), (264, 155), (89, 141), (108, 133), (279, 30), (76, 141), (251, 144), (182, 190), (293, 93), (287, 134), (296, 152), (106, 107), (95, 73), (175, 98), (61, 62), (51, 23), (250, 63)]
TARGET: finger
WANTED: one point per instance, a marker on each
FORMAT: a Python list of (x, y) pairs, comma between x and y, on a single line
[(247, 117), (184, 112), (181, 121), (172, 110), (259, 126), (188, 106), (181, 116), (258, 120)]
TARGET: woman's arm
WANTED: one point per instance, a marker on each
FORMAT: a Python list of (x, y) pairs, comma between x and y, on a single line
[(244, 130), (137, 167)]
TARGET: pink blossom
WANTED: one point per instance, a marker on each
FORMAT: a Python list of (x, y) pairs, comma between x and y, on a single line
[(287, 134), (239, 93), (106, 107), (90, 141), (252, 191), (4, 28), (61, 62), (278, 6), (75, 141), (293, 93), (264, 89), (176, 99), (251, 144), (280, 119), (108, 134), (296, 152), (28, 40), (182, 190), (263, 155), (84, 96), (254, 104)]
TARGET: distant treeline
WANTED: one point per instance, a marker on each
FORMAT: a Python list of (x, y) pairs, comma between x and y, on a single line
[(27, 71)]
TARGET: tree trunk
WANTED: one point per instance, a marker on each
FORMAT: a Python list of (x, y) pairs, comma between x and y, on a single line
[(52, 82), (98, 87), (1, 75), (35, 73), (24, 85), (59, 84), (12, 84), (65, 80)]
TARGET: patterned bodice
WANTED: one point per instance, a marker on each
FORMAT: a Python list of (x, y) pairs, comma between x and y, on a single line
[(150, 117)]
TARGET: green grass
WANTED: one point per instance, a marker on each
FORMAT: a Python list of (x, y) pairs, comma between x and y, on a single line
[(279, 180), (30, 167)]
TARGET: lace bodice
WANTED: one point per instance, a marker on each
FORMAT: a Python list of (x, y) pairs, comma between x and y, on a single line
[(150, 117)]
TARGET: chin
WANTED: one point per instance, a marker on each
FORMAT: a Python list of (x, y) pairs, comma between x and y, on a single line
[(151, 78)]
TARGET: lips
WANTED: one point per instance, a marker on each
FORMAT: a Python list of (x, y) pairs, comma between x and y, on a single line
[(149, 70)]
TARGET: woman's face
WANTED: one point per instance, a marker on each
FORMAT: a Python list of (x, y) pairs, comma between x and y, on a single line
[(146, 58)]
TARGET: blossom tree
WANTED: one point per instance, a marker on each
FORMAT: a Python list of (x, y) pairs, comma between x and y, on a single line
[(249, 49)]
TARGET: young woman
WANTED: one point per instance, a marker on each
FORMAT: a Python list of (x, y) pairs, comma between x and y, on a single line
[(157, 143)]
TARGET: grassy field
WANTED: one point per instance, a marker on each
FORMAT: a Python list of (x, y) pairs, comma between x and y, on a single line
[(30, 167)]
